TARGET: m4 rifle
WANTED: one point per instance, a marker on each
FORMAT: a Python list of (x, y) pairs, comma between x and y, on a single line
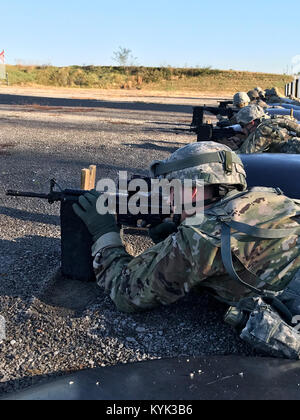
[(76, 241)]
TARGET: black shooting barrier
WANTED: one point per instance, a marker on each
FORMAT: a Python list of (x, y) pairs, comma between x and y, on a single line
[(185, 379), (274, 170)]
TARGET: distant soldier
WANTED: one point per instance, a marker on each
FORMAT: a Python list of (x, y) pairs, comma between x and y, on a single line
[(256, 99), (273, 96), (261, 92), (280, 134), (241, 99)]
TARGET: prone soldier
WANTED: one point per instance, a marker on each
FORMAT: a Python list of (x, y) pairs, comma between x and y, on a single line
[(255, 99), (240, 100), (279, 134), (245, 250)]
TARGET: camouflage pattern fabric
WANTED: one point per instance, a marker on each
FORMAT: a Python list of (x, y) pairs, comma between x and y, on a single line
[(210, 173), (273, 95), (267, 332), (241, 99), (260, 103), (191, 258), (275, 135), (251, 113), (275, 99)]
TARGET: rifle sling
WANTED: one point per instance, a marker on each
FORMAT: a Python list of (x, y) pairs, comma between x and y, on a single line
[(251, 231)]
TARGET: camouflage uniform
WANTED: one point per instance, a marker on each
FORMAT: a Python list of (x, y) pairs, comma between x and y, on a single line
[(273, 97), (276, 135), (240, 100), (260, 103), (255, 99), (227, 252), (192, 258)]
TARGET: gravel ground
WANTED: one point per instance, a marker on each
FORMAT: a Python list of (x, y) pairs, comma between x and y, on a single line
[(55, 327)]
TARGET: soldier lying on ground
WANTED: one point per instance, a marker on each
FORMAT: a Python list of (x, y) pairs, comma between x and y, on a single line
[(262, 282), (256, 99), (240, 100), (273, 96), (279, 134)]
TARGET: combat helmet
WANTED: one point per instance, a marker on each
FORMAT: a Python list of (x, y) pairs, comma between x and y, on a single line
[(213, 163), (241, 99), (253, 94), (260, 91), (250, 113)]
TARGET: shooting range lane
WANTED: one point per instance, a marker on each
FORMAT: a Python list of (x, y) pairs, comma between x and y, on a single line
[(202, 378), (54, 326)]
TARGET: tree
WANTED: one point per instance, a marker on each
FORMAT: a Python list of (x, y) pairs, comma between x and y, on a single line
[(124, 57)]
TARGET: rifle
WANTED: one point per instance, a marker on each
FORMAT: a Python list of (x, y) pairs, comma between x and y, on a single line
[(207, 132), (76, 241), (198, 113)]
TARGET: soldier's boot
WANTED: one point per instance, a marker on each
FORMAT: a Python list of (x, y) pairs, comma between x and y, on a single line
[(268, 332)]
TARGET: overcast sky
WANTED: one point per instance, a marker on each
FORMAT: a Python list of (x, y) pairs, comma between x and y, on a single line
[(254, 35)]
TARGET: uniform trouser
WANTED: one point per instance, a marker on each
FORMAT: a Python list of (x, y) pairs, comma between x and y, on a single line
[(268, 332), (291, 296)]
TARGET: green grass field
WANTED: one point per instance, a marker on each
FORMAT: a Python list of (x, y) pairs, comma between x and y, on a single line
[(144, 78)]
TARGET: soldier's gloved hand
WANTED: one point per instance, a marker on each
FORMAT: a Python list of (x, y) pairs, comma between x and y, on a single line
[(160, 232), (97, 224)]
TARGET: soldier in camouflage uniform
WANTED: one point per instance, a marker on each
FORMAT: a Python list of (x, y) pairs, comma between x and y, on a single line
[(273, 96), (261, 92), (279, 134), (240, 100), (197, 255), (256, 99)]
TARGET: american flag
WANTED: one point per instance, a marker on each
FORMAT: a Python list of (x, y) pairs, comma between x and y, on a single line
[(2, 56)]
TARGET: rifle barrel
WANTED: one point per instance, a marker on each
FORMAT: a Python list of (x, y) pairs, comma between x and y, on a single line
[(13, 193)]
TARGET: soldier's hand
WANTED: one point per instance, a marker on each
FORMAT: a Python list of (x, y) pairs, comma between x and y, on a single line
[(97, 224), (161, 232)]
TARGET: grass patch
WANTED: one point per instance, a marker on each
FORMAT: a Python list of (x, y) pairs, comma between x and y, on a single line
[(37, 107), (144, 78)]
